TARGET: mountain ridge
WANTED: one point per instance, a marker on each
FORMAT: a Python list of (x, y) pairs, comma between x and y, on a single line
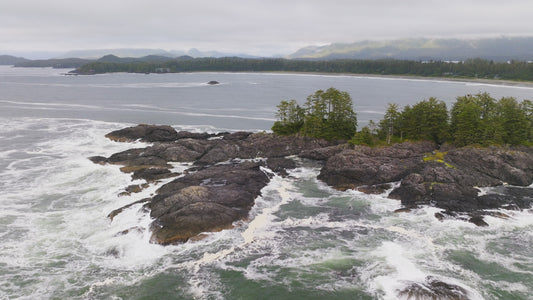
[(497, 49)]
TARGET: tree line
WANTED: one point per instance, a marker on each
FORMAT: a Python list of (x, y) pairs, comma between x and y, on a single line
[(474, 68), (473, 119)]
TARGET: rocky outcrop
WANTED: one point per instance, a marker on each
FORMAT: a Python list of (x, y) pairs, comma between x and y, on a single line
[(219, 190), (208, 200), (365, 166), (433, 288), (448, 180), (453, 183), (145, 133), (228, 175)]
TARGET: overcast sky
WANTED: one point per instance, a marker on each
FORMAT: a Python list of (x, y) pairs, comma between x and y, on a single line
[(259, 27)]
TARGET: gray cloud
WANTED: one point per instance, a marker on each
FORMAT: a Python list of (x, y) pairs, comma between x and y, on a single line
[(253, 26)]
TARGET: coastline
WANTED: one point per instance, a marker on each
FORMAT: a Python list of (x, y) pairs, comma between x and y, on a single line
[(500, 82)]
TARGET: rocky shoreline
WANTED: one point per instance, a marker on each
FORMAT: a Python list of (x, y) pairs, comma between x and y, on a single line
[(230, 169)]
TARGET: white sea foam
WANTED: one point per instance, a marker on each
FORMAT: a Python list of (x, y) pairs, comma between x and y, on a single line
[(50, 105), (150, 85), (56, 202)]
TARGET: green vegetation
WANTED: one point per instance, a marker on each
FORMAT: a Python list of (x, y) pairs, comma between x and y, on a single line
[(474, 119), (474, 68), (480, 119), (438, 156), (326, 114)]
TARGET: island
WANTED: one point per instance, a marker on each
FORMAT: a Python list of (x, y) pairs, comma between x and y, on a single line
[(230, 169)]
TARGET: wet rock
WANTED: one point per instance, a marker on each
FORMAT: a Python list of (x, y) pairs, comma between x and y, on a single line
[(439, 216), (323, 153), (370, 166), (433, 288), (375, 189), (194, 135), (280, 165), (239, 135), (98, 160), (210, 199), (451, 185), (134, 188), (117, 211), (145, 133), (137, 159), (153, 174), (402, 210), (478, 221)]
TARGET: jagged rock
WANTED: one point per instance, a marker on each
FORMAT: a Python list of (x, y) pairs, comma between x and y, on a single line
[(194, 135), (478, 221), (138, 159), (208, 200), (98, 160), (280, 165), (450, 183), (369, 166), (433, 288), (145, 133), (134, 188), (453, 187), (153, 174), (323, 153), (222, 187), (239, 135), (374, 189), (117, 211)]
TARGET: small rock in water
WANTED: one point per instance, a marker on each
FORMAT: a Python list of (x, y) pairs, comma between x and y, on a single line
[(433, 288), (403, 210), (478, 220), (375, 189)]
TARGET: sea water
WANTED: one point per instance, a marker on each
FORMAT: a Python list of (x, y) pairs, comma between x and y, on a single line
[(302, 240)]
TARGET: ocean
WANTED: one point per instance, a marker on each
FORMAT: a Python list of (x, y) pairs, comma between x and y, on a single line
[(302, 240)]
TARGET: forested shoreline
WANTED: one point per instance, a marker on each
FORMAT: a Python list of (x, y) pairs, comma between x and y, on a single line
[(473, 120), (473, 68)]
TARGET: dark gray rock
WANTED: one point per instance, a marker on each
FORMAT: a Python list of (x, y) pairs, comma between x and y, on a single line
[(145, 133), (153, 174), (361, 166), (426, 179), (323, 153), (194, 135), (210, 199), (433, 288), (280, 165)]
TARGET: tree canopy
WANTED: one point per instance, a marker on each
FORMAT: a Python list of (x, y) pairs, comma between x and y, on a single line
[(473, 119), (326, 114), (473, 68)]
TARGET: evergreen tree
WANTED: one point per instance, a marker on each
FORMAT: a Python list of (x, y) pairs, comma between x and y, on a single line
[(326, 114), (290, 116), (514, 121), (527, 108), (465, 121), (426, 120), (390, 125)]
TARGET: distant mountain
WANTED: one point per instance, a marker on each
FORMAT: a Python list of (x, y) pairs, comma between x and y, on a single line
[(54, 63), (121, 52), (110, 58), (138, 53), (497, 49), (11, 60), (193, 52)]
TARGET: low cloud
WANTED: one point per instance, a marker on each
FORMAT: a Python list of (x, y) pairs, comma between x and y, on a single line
[(257, 27)]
